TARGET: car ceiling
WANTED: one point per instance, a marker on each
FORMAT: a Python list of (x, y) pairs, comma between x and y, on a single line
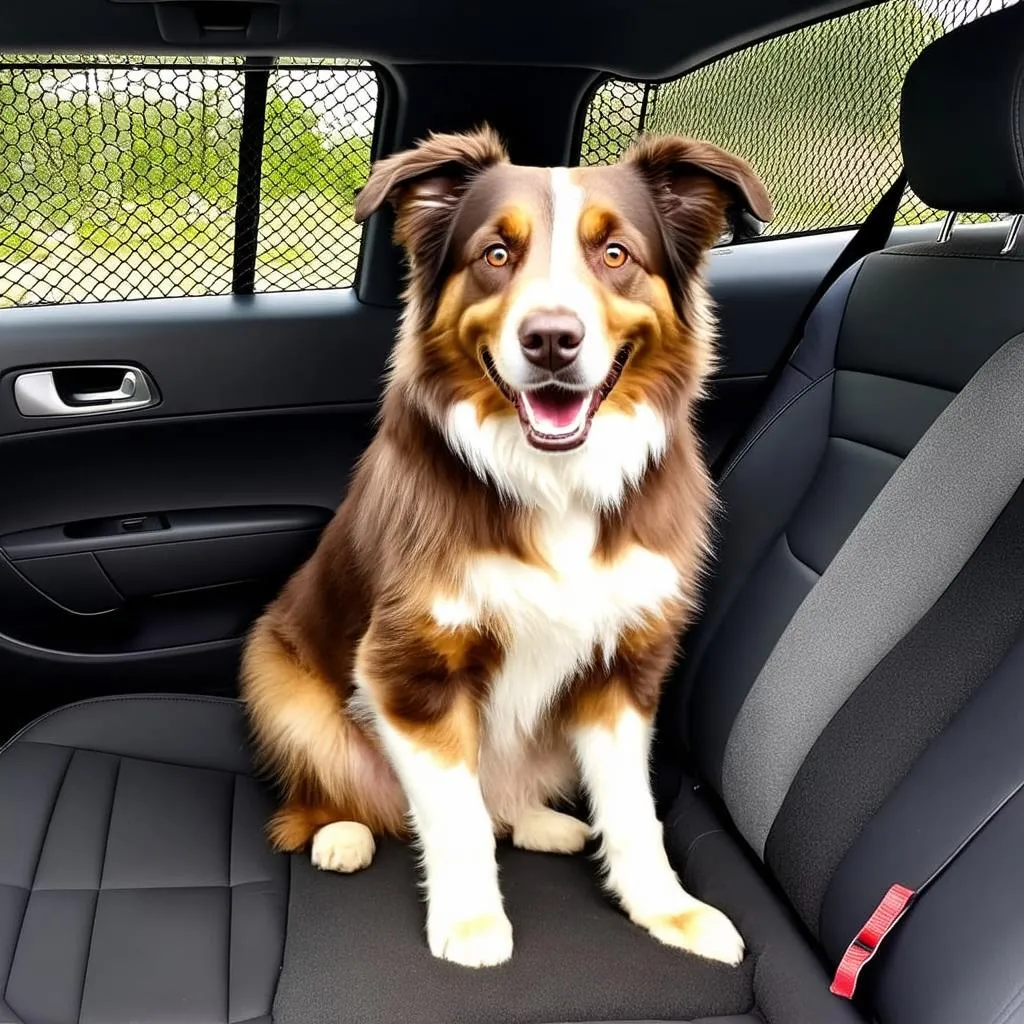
[(635, 39)]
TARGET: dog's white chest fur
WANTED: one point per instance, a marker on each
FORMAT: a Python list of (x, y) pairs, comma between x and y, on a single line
[(557, 621)]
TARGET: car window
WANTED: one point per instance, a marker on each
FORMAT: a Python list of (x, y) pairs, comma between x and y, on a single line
[(127, 178), (816, 111)]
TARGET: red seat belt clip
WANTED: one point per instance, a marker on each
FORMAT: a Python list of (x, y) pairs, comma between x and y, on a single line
[(885, 917)]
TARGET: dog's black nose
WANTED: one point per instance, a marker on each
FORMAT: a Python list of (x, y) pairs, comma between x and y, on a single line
[(551, 340)]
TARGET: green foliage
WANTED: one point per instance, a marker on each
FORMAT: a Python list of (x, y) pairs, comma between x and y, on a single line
[(298, 158), (118, 169), (815, 111)]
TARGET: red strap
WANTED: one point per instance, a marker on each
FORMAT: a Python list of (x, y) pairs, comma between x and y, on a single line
[(893, 906)]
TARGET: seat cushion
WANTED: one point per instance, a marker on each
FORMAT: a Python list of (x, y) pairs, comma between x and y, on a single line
[(135, 882), (357, 952), (356, 949), (136, 886)]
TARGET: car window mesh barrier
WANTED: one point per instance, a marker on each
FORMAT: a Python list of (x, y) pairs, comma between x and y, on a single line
[(132, 177), (816, 111)]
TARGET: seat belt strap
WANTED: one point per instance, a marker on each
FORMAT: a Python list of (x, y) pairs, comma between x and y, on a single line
[(884, 918), (894, 905)]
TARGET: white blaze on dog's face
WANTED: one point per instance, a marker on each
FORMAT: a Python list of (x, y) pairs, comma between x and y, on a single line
[(554, 297), (550, 347)]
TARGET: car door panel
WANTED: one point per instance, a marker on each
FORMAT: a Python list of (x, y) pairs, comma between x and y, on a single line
[(264, 405)]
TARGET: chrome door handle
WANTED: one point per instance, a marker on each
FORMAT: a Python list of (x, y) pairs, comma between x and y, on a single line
[(37, 393)]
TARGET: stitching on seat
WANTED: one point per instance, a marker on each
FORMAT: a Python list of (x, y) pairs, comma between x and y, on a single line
[(120, 699), (742, 453), (872, 447), (99, 887), (255, 883), (1012, 1004), (1018, 149), (1008, 258), (952, 392), (784, 537), (697, 839), (149, 760), (39, 860)]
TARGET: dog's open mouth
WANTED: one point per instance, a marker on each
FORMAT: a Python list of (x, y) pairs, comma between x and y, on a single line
[(554, 417)]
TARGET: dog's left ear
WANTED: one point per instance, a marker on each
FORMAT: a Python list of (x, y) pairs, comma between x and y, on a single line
[(699, 190)]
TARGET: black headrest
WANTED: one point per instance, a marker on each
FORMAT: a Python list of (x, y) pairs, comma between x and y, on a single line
[(962, 117)]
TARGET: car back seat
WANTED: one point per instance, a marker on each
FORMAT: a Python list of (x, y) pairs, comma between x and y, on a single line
[(852, 701)]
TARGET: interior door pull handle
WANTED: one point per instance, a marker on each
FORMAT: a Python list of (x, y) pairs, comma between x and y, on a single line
[(126, 392), (37, 393)]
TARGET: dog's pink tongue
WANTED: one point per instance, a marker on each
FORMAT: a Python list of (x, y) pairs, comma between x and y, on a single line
[(555, 408)]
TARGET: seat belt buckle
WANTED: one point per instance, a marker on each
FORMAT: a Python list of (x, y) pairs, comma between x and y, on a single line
[(864, 946)]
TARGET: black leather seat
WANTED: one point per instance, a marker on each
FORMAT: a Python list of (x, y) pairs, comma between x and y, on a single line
[(135, 884), (851, 703)]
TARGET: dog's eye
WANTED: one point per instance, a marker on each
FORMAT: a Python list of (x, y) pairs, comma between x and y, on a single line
[(615, 255), (496, 255)]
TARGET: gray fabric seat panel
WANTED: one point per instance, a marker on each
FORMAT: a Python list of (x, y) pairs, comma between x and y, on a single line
[(136, 889), (891, 569)]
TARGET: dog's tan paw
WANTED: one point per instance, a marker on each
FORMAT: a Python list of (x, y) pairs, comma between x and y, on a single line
[(546, 831), (705, 931), (478, 942), (344, 846)]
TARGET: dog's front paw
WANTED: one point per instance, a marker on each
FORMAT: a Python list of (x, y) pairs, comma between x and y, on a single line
[(702, 930), (344, 846), (547, 831), (476, 942)]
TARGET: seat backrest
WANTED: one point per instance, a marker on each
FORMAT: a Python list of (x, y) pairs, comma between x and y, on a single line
[(850, 690)]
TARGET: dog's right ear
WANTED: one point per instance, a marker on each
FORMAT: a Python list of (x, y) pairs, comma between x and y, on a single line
[(425, 184)]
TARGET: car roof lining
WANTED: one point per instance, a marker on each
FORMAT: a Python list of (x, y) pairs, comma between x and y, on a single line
[(650, 40)]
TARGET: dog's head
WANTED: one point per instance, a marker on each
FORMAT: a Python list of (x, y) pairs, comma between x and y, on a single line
[(558, 297)]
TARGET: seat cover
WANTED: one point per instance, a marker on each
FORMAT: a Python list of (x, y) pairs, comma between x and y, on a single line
[(135, 883)]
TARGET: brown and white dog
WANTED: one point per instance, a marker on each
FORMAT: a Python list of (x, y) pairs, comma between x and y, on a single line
[(488, 619)]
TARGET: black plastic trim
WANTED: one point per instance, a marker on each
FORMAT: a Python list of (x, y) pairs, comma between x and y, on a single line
[(187, 525), (250, 174)]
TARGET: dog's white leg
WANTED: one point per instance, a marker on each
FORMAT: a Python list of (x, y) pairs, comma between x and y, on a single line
[(466, 921), (613, 756)]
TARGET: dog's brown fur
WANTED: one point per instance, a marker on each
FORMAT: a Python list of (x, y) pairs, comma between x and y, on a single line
[(416, 512)]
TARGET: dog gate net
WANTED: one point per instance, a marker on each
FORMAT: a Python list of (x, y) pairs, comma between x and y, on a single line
[(137, 177), (816, 111)]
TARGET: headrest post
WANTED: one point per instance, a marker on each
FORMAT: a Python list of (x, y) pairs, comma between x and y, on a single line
[(946, 231), (1011, 235)]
